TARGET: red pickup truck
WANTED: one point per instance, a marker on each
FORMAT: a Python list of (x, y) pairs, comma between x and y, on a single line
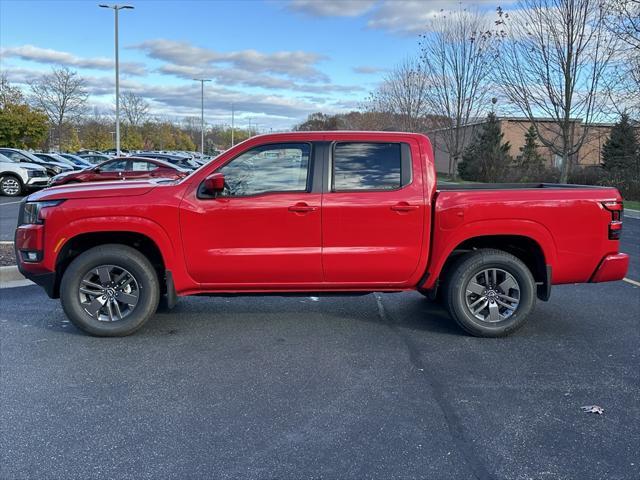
[(316, 212)]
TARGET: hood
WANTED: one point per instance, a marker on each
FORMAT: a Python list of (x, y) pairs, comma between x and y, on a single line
[(27, 166), (118, 188)]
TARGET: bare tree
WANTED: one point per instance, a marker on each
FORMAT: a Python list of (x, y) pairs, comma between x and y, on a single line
[(9, 95), (457, 59), (403, 94), (623, 21), (135, 108), (61, 95), (552, 65)]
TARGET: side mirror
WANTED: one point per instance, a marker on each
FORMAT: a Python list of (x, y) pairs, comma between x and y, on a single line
[(96, 170), (214, 184)]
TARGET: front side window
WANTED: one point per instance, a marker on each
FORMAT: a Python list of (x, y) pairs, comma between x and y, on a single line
[(118, 166), (367, 166), (269, 168)]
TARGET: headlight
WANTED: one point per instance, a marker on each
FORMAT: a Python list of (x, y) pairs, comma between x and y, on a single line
[(34, 173), (30, 214), (57, 169)]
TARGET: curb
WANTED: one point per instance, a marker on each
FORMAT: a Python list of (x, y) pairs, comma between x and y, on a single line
[(11, 277)]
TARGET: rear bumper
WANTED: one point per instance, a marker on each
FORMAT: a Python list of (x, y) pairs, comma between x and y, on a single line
[(612, 267)]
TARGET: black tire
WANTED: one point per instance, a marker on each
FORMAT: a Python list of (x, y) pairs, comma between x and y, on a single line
[(11, 185), (123, 258), (466, 269)]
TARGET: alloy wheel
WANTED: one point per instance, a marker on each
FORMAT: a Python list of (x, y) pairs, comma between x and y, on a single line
[(109, 293), (492, 295), (10, 186)]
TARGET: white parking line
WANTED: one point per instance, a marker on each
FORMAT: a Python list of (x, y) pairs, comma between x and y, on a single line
[(632, 282), (10, 203)]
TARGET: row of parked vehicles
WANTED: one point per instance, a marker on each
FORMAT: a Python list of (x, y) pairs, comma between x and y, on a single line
[(21, 170)]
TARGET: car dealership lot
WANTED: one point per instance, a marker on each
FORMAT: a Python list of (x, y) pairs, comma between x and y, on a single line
[(382, 386)]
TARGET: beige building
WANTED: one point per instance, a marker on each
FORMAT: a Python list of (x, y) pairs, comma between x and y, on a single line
[(514, 130)]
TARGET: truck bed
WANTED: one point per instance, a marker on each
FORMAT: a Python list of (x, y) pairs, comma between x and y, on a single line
[(511, 186)]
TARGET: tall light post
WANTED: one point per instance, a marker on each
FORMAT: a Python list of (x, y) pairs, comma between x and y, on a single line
[(232, 124), (116, 8), (202, 80)]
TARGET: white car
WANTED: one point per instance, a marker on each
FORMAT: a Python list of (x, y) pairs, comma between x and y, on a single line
[(15, 176)]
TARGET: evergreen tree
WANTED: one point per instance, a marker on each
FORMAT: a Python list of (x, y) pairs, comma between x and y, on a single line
[(486, 159), (530, 163), (621, 151)]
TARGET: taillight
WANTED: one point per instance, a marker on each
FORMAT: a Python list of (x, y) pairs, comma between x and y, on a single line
[(615, 226)]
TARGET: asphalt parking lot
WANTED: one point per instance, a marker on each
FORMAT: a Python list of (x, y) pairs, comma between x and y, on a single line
[(377, 386), (9, 207)]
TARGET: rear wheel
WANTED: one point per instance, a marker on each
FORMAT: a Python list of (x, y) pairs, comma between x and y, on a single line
[(489, 293), (110, 290), (11, 186)]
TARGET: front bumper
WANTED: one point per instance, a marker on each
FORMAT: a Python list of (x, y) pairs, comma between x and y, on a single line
[(38, 181), (30, 238), (612, 267)]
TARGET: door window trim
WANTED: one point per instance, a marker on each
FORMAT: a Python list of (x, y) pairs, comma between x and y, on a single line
[(406, 168)]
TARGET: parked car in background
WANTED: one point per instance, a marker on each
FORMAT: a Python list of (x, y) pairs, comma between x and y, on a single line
[(53, 167), (54, 157), (112, 152), (79, 161), (95, 158), (16, 177), (183, 162), (123, 168)]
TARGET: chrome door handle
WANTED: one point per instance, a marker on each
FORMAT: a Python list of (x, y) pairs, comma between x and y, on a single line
[(404, 207), (302, 208)]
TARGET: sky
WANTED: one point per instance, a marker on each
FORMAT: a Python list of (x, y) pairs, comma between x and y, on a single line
[(276, 61)]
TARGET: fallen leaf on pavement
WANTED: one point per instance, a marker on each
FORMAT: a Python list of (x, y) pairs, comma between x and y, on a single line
[(593, 409)]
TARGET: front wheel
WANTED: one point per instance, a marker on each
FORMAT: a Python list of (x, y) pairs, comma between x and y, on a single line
[(11, 186), (490, 293), (110, 290)]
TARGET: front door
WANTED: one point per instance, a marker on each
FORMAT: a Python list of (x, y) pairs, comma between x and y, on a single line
[(264, 230), (373, 214)]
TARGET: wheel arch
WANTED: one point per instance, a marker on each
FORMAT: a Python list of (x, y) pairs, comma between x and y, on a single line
[(536, 252), (83, 241)]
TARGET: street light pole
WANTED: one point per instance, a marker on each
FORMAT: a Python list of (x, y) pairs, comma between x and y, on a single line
[(232, 125), (202, 80), (116, 8)]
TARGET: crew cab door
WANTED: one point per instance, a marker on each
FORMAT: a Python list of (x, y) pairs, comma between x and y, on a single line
[(264, 230), (373, 213)]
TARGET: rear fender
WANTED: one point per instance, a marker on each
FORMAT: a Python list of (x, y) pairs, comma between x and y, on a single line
[(446, 241)]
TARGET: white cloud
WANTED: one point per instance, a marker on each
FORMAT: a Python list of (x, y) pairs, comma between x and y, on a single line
[(178, 101), (332, 8), (234, 76), (368, 70), (411, 17), (293, 64), (56, 57)]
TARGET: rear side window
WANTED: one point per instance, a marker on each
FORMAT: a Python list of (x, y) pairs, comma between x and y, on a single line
[(370, 166)]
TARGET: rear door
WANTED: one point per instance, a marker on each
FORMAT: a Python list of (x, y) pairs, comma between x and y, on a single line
[(139, 169), (373, 213)]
